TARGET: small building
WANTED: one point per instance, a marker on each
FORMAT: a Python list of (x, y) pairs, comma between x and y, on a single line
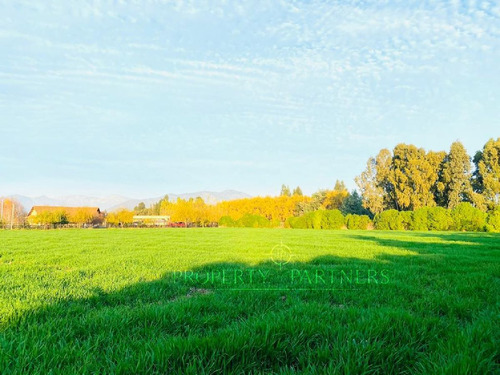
[(64, 215), (151, 220)]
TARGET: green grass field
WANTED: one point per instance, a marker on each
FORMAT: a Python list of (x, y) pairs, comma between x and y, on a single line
[(265, 301)]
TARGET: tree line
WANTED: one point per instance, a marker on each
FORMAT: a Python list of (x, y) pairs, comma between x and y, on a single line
[(409, 178), (398, 190), (406, 188), (274, 210), (463, 217)]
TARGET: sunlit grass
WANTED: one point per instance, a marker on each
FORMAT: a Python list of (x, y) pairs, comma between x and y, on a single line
[(86, 301)]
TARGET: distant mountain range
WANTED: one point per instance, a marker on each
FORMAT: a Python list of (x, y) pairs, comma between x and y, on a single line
[(114, 202)]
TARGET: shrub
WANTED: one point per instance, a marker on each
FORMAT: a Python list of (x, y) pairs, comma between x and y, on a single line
[(332, 219), (227, 221), (468, 218), (419, 219), (349, 221), (275, 223), (406, 219), (429, 218), (389, 220), (296, 222), (252, 221), (364, 222), (314, 219), (308, 220), (439, 218), (493, 220), (357, 221), (320, 219)]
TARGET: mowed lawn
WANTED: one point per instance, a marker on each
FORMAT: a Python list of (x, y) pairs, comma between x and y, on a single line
[(265, 301)]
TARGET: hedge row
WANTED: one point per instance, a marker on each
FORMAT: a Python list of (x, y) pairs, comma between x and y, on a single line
[(247, 221), (358, 222), (321, 219), (329, 219), (464, 217)]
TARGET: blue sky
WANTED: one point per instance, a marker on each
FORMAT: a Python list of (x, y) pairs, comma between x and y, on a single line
[(146, 97)]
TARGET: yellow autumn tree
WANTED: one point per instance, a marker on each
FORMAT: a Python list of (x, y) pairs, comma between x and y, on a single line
[(81, 216), (120, 218), (11, 212), (336, 197)]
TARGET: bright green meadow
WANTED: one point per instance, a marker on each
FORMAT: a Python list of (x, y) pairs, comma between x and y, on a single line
[(235, 300)]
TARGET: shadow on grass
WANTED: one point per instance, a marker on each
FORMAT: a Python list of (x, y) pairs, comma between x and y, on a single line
[(436, 243), (330, 315)]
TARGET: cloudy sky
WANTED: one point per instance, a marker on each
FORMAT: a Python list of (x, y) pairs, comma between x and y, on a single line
[(147, 97)]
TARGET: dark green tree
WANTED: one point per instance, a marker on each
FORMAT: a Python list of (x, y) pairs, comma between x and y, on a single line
[(353, 204), (486, 179), (455, 179)]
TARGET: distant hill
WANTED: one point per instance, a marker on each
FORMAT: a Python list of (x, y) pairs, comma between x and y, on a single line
[(114, 202), (210, 197)]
